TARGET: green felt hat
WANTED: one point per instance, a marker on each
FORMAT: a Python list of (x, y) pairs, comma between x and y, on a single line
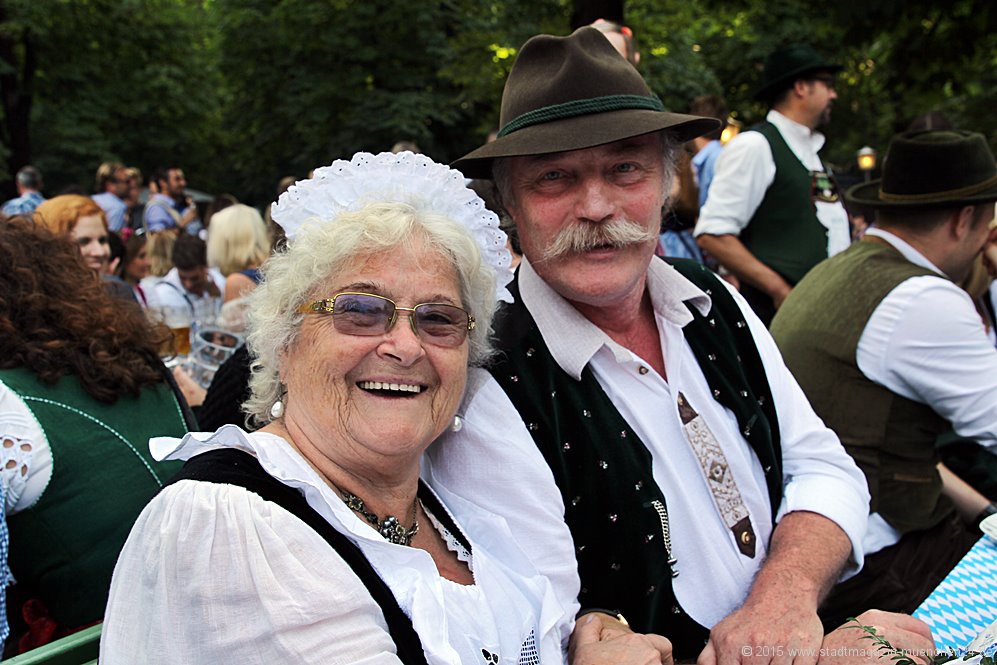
[(575, 92), (786, 65), (932, 169)]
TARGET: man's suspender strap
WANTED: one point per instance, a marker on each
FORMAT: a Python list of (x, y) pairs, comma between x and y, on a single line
[(235, 467), (182, 293)]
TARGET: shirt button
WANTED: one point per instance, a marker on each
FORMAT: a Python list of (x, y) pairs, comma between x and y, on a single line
[(643, 370)]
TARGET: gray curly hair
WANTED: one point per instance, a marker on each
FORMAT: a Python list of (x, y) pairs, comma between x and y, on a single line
[(321, 250)]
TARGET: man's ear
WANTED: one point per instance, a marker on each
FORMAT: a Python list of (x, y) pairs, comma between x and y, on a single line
[(963, 221)]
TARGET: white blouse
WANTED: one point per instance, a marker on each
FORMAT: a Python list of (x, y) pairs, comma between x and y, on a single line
[(25, 456), (212, 573)]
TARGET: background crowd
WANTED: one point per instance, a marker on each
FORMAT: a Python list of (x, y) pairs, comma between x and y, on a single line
[(134, 285)]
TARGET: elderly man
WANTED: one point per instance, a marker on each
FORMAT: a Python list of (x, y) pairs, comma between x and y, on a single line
[(705, 499), (773, 211), (892, 352)]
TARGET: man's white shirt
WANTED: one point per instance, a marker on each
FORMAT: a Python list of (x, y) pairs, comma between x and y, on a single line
[(745, 169), (168, 291), (494, 453), (925, 341)]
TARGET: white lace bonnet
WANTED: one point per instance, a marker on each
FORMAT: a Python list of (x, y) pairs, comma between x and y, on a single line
[(389, 178)]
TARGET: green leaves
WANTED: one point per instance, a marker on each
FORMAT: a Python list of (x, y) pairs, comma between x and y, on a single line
[(243, 92)]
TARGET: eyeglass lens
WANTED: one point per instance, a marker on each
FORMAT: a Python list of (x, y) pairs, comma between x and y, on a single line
[(365, 314)]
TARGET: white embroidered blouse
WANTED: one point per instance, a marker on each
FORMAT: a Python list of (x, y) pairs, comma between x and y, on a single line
[(213, 573)]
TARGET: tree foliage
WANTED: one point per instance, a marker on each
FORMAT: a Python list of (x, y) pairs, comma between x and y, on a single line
[(130, 80), (243, 92)]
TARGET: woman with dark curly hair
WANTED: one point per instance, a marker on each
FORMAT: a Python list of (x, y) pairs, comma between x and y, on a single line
[(82, 390)]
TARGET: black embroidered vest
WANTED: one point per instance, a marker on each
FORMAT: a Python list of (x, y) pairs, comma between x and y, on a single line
[(612, 503)]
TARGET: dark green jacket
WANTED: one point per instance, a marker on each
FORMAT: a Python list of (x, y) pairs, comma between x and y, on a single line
[(64, 547)]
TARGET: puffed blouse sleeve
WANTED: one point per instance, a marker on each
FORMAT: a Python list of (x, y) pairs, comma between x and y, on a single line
[(212, 573)]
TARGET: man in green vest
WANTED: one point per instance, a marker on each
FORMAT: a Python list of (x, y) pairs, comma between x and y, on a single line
[(637, 401), (773, 211), (892, 352)]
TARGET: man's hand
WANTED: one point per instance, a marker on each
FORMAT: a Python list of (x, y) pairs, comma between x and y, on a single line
[(772, 629), (778, 622), (849, 644), (731, 253), (780, 292), (189, 215), (599, 639), (990, 259)]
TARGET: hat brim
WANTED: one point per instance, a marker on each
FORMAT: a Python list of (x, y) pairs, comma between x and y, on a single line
[(578, 133), (786, 79), (866, 195)]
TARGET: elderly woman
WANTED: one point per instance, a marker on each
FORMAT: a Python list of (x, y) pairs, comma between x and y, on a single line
[(363, 331), (81, 392)]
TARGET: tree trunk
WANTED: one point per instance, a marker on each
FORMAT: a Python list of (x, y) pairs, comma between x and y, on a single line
[(16, 96)]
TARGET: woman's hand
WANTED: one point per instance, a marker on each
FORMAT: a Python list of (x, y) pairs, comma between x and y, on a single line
[(598, 639), (192, 391)]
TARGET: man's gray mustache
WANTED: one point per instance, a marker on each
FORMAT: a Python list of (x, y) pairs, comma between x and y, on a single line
[(583, 236)]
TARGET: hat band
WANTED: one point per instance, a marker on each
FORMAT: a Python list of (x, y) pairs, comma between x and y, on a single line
[(579, 107), (969, 190)]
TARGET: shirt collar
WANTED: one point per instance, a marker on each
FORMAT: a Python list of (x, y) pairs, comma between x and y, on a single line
[(573, 339), (906, 249), (794, 131)]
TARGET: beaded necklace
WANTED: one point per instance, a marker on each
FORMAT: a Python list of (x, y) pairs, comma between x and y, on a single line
[(390, 527)]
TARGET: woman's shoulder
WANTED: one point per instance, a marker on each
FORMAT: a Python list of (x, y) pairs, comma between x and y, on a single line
[(237, 285), (246, 564), (25, 457), (198, 529)]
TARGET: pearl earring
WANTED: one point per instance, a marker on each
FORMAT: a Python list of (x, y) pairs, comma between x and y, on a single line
[(458, 424), (277, 410)]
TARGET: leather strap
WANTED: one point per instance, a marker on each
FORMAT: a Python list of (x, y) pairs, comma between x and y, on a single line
[(235, 467)]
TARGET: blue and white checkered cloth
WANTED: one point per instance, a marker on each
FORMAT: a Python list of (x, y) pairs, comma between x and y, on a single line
[(965, 602), (4, 572)]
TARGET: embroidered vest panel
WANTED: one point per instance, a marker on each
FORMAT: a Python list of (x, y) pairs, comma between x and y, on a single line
[(784, 232), (63, 549), (604, 471), (891, 438)]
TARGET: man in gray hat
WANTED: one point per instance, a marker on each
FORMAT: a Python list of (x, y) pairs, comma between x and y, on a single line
[(774, 211), (642, 404), (891, 352)]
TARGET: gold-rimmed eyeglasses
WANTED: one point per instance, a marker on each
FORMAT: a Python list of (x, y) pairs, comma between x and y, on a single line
[(366, 314)]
